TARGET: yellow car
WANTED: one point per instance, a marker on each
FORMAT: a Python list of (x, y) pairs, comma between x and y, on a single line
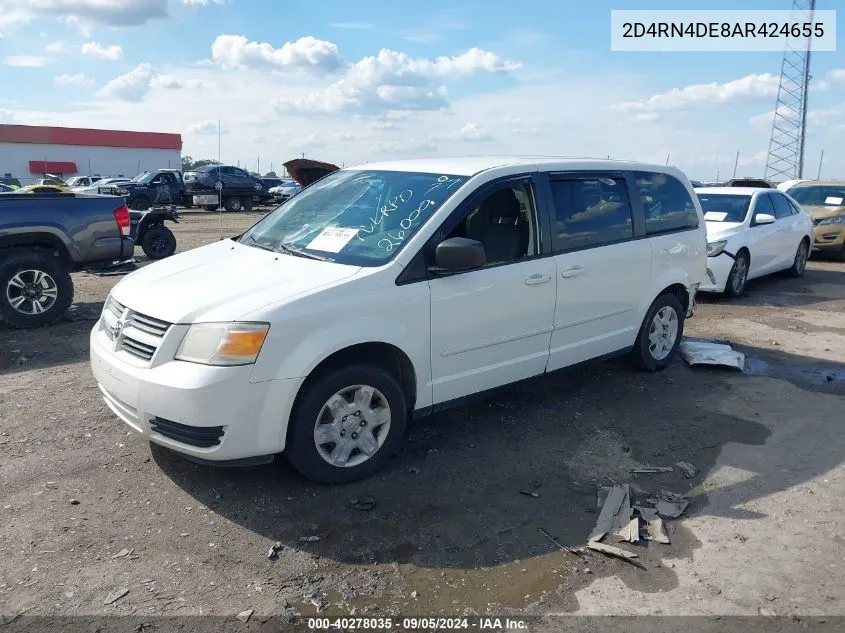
[(825, 201), (43, 189)]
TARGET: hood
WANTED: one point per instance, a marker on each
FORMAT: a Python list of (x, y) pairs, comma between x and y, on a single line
[(223, 281), (822, 211), (306, 171), (721, 230)]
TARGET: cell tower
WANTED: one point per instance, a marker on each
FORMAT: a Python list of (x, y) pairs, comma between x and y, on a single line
[(789, 125)]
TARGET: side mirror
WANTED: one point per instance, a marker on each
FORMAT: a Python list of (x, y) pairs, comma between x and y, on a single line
[(764, 218), (458, 254)]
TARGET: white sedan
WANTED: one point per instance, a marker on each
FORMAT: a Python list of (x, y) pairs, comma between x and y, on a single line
[(752, 233)]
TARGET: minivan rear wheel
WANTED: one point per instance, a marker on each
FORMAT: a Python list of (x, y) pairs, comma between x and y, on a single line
[(346, 424), (660, 334)]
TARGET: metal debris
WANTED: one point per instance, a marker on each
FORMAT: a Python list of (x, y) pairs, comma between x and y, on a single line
[(671, 505), (655, 528), (631, 531), (615, 513), (710, 353), (568, 550), (615, 552), (115, 595), (652, 469), (244, 616), (273, 554), (123, 552), (688, 469)]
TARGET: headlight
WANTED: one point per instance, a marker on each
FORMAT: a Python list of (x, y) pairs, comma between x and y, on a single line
[(716, 248), (837, 219), (223, 343)]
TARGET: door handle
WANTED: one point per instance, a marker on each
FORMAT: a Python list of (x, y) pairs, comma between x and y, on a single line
[(538, 278), (572, 272)]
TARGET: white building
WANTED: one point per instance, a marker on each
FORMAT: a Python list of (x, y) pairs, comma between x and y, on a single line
[(28, 151)]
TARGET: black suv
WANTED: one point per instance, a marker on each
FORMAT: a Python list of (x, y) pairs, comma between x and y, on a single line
[(237, 187)]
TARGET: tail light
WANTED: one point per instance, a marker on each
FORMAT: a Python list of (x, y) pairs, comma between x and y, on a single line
[(121, 216)]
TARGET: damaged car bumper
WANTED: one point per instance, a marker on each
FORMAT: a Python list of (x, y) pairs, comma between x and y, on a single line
[(718, 271)]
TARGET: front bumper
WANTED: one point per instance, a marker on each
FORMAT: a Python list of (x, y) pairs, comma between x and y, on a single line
[(829, 237), (718, 271), (208, 413)]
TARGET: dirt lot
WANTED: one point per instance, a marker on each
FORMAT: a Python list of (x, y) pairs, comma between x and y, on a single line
[(450, 531)]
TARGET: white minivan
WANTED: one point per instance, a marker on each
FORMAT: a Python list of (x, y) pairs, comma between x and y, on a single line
[(386, 291)]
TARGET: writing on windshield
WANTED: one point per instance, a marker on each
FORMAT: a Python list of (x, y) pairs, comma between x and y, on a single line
[(357, 216)]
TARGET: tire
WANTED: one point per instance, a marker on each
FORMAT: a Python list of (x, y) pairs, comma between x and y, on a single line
[(799, 264), (738, 277), (643, 356), (159, 242), (233, 204), (25, 267), (311, 410), (139, 203)]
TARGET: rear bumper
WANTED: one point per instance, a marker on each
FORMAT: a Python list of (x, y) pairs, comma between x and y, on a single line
[(107, 251)]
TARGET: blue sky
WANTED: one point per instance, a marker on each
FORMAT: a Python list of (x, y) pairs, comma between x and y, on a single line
[(357, 81)]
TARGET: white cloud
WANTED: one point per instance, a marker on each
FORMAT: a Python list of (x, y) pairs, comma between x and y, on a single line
[(394, 81), (205, 127), (134, 85), (201, 3), (27, 61), (404, 146), (56, 47), (470, 133), (355, 26), (312, 141), (309, 53), (77, 79), (95, 49), (106, 12), (346, 137), (8, 116), (750, 86)]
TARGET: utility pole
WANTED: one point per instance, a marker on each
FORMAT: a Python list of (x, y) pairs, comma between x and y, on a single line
[(736, 163), (821, 160)]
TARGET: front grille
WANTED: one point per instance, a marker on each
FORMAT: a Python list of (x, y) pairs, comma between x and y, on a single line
[(140, 335), (199, 436)]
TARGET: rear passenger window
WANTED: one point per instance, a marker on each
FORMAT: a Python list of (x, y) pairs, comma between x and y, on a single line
[(782, 208), (591, 212), (667, 203)]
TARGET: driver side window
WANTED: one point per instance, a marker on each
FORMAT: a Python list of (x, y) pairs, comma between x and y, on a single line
[(504, 222), (763, 205)]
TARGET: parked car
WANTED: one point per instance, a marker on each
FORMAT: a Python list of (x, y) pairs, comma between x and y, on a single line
[(284, 190), (154, 188), (825, 202), (43, 238), (752, 233), (82, 181), (212, 184), (107, 186), (9, 181), (393, 289), (267, 184), (788, 184), (43, 189), (50, 179), (757, 183)]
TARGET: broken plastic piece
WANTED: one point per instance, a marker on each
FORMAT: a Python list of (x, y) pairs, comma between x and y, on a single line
[(707, 353)]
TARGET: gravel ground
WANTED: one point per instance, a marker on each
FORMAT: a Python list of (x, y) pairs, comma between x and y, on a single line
[(88, 510)]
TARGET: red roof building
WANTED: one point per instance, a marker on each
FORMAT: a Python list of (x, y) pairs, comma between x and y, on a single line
[(27, 152)]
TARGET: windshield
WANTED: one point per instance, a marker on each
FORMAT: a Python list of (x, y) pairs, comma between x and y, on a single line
[(724, 207), (144, 178), (819, 195), (355, 217)]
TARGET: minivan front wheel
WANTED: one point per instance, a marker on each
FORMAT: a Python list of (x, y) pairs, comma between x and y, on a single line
[(346, 425), (660, 334)]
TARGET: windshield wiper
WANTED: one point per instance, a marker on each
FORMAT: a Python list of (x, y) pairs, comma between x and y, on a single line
[(257, 244), (299, 252)]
